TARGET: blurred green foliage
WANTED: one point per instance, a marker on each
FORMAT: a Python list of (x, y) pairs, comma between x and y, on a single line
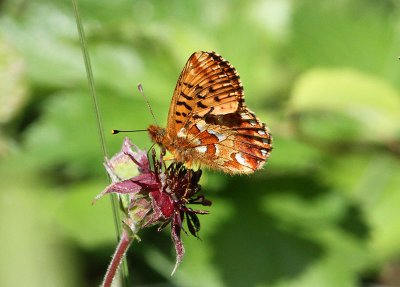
[(323, 75)]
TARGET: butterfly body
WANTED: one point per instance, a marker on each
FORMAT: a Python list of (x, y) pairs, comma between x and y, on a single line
[(208, 121), (174, 146)]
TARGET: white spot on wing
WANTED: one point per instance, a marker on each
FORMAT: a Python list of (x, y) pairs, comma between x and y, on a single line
[(261, 132), (245, 116), (253, 122), (216, 150), (264, 152), (240, 159), (196, 141), (201, 126), (182, 133), (201, 149), (220, 137)]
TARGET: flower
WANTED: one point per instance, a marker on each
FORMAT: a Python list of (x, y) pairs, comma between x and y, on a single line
[(157, 195)]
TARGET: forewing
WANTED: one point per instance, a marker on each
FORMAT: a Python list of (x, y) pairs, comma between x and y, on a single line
[(208, 85)]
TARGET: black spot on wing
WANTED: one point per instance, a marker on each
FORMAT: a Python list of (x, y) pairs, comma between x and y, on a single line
[(179, 103), (189, 98), (228, 120), (201, 105), (188, 85)]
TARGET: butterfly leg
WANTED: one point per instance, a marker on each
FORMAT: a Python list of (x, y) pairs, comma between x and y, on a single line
[(168, 157)]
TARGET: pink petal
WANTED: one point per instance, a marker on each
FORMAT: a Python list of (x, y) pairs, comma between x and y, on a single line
[(139, 157), (180, 250), (163, 203), (122, 187), (146, 180)]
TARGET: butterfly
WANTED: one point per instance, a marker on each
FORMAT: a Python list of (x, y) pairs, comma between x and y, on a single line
[(208, 121)]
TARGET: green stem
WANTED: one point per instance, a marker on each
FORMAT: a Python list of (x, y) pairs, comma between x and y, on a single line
[(100, 129)]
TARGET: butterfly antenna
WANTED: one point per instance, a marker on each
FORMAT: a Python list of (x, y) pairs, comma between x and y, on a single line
[(140, 88), (114, 132)]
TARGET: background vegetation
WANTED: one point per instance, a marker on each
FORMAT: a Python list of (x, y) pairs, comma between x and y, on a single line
[(324, 76)]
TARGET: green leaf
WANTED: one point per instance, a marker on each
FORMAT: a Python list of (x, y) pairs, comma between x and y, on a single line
[(89, 225), (292, 155), (348, 33), (380, 194), (372, 183), (32, 241), (66, 135), (51, 61), (347, 105), (13, 81)]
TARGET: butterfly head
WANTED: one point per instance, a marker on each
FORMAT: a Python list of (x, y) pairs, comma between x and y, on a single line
[(157, 134)]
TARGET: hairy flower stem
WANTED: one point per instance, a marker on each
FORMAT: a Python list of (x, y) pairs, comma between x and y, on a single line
[(123, 246)]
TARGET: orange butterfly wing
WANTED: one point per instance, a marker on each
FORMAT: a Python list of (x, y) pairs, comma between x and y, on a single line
[(207, 84), (208, 121)]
